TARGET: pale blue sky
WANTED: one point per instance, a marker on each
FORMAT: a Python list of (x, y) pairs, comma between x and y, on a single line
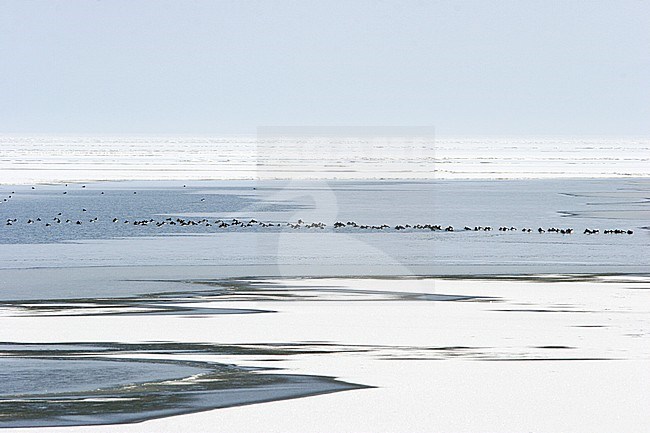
[(221, 67)]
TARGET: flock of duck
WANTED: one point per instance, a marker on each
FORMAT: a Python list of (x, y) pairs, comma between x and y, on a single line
[(300, 224)]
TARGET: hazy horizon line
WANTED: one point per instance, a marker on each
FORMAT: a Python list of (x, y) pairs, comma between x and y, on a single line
[(303, 135)]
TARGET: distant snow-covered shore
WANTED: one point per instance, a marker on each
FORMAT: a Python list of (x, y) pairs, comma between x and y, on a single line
[(41, 159)]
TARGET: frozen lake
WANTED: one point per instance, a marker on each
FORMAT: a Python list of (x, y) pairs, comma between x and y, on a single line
[(190, 304)]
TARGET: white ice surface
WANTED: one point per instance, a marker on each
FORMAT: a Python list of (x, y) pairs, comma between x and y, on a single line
[(599, 382)]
